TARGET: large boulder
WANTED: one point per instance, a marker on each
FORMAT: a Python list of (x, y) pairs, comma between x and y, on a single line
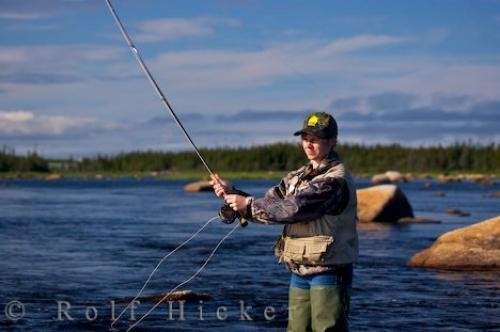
[(476, 247), (385, 203), (197, 186)]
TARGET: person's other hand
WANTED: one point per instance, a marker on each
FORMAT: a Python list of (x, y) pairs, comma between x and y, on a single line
[(236, 202), (220, 186)]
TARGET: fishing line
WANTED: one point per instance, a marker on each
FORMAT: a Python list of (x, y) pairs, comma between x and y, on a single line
[(167, 105), (158, 265), (185, 281)]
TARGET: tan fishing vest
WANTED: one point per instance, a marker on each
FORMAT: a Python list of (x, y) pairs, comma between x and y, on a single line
[(328, 240)]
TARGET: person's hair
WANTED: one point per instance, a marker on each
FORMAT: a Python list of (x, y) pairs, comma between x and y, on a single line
[(334, 139)]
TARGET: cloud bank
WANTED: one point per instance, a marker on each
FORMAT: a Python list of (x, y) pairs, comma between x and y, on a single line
[(27, 125), (176, 28), (242, 81)]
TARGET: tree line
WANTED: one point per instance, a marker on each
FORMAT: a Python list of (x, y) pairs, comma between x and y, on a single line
[(31, 162), (275, 157)]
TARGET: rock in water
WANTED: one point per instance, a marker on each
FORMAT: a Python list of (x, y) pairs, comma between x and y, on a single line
[(476, 247), (380, 179), (457, 212), (394, 176), (388, 177), (197, 186), (386, 203), (407, 220), (54, 177), (183, 295), (442, 178)]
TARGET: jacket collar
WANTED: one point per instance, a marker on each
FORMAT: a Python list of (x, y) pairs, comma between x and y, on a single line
[(332, 159)]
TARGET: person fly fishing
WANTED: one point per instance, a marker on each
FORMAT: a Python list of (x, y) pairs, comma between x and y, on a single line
[(319, 244), (317, 205)]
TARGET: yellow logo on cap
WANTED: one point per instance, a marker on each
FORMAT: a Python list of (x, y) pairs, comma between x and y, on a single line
[(312, 121)]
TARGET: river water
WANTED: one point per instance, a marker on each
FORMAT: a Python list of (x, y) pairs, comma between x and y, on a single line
[(69, 248)]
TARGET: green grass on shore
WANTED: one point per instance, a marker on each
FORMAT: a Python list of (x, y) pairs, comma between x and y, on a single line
[(186, 175), (191, 175)]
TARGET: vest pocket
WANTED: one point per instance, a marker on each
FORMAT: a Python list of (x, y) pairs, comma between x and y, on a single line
[(305, 250)]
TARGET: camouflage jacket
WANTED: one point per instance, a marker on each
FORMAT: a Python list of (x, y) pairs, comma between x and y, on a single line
[(285, 204), (312, 204)]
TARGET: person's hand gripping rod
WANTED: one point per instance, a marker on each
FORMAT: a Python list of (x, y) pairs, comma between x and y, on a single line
[(235, 200)]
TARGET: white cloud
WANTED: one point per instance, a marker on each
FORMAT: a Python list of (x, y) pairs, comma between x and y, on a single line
[(16, 116), (430, 76), (228, 69), (49, 64), (323, 69), (12, 55), (40, 56), (227, 80), (344, 45), (22, 16), (176, 28), (19, 124)]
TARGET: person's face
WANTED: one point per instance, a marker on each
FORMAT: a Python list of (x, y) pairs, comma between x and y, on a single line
[(315, 148)]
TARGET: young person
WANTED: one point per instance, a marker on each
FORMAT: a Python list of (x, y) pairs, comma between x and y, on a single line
[(317, 205)]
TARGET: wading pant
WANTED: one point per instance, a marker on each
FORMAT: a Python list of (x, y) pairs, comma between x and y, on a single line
[(320, 302)]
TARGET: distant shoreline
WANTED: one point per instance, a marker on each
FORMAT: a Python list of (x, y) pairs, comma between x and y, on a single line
[(165, 175), (450, 163), (254, 175)]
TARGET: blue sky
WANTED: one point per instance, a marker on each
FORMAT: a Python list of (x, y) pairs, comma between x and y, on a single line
[(246, 72)]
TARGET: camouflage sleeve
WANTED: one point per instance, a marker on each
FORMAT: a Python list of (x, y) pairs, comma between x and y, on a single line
[(323, 196)]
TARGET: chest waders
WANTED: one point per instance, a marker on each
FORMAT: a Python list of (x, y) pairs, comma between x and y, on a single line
[(320, 306)]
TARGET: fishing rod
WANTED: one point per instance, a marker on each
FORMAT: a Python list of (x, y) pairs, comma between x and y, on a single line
[(155, 85), (226, 213)]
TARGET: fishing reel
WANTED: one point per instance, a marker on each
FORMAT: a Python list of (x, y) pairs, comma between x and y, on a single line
[(227, 215)]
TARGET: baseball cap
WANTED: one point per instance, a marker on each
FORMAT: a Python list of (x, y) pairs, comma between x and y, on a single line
[(319, 124)]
